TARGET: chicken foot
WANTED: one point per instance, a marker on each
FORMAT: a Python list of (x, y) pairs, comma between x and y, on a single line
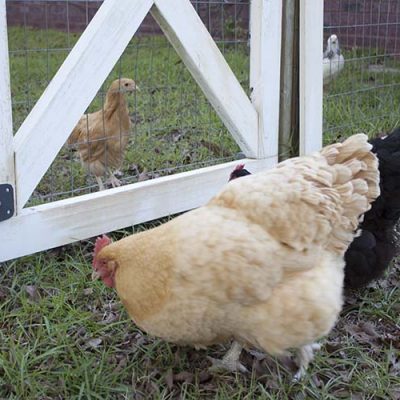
[(304, 356), (230, 362), (115, 182)]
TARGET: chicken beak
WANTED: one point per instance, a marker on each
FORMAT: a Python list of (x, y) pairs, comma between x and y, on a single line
[(137, 88), (95, 275)]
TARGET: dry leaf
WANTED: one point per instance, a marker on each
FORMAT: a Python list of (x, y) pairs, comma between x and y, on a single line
[(32, 292), (169, 379), (184, 376), (110, 318), (94, 343), (143, 176)]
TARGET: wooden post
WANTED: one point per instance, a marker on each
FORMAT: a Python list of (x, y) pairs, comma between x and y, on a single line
[(265, 72), (311, 83), (288, 121), (7, 174)]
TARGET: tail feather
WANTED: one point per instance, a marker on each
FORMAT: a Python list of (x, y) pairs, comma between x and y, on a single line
[(356, 180)]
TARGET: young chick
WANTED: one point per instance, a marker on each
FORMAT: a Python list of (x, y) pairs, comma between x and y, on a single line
[(261, 263), (333, 60), (101, 137)]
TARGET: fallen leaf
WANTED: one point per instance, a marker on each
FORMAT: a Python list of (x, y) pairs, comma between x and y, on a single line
[(357, 396), (88, 291), (395, 394), (369, 329), (32, 292), (110, 318), (3, 293), (169, 379), (204, 376), (177, 135), (394, 360), (184, 376), (121, 365), (259, 355), (363, 333), (94, 343), (143, 176)]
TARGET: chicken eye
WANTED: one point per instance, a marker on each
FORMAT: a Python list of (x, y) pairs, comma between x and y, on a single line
[(126, 84)]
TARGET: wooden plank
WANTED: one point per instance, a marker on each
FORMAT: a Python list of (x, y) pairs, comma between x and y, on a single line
[(311, 90), (72, 89), (58, 223), (6, 127), (190, 38), (265, 71)]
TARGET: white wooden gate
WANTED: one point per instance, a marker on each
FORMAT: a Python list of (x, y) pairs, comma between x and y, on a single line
[(253, 123)]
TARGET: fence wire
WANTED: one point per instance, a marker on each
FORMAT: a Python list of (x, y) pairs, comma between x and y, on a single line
[(172, 128), (365, 95)]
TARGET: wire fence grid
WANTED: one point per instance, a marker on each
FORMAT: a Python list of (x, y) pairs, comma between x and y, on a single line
[(173, 127), (365, 95)]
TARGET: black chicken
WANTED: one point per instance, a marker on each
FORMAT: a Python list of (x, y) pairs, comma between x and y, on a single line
[(370, 254), (238, 172)]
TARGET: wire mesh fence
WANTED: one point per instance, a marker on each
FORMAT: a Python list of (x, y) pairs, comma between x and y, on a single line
[(365, 95), (170, 126)]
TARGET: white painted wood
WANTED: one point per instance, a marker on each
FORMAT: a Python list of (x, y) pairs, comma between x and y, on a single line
[(6, 127), (311, 83), (265, 71), (72, 89), (54, 224), (190, 38)]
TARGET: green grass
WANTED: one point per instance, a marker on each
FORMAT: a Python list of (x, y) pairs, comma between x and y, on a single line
[(63, 336), (174, 127), (360, 100)]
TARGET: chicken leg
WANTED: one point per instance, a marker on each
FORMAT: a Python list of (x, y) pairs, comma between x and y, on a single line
[(304, 356), (100, 182), (115, 182), (230, 361)]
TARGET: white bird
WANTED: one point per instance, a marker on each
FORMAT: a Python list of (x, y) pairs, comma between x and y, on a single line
[(333, 60)]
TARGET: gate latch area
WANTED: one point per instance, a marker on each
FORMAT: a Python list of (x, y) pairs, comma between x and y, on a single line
[(6, 201)]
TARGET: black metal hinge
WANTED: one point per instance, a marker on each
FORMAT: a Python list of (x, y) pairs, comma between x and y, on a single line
[(6, 201)]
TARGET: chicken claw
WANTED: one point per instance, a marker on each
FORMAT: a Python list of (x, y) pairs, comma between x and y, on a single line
[(230, 362), (115, 182), (304, 356)]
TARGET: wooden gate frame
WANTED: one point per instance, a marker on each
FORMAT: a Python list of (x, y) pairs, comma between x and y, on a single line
[(254, 123)]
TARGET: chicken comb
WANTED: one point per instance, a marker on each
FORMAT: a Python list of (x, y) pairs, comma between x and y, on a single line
[(239, 167), (101, 242)]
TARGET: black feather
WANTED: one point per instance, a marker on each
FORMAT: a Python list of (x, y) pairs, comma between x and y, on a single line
[(370, 254), (238, 173)]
